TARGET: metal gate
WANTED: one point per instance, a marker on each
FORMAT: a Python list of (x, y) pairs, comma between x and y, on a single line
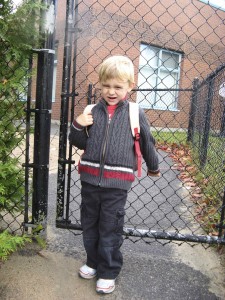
[(170, 44), (24, 177)]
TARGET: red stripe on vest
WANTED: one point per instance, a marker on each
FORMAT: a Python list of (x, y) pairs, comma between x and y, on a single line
[(118, 175), (89, 170)]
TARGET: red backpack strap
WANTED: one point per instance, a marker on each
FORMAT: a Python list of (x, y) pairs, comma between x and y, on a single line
[(138, 151), (135, 128)]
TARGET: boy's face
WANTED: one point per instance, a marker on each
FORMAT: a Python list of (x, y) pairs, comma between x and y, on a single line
[(115, 90)]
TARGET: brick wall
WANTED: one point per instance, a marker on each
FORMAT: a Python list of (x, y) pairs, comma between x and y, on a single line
[(107, 28)]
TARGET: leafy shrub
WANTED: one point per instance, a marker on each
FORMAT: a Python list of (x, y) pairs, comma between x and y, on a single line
[(11, 171), (18, 36), (10, 243)]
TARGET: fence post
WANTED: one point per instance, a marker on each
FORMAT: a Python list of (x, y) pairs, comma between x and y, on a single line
[(221, 226), (192, 111), (27, 153), (64, 110), (45, 64), (205, 139), (222, 128), (90, 87)]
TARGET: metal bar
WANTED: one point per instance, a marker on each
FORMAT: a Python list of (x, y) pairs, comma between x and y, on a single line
[(205, 239), (205, 139), (42, 138), (221, 224), (222, 127), (27, 149), (32, 165), (64, 109), (160, 235), (162, 90), (72, 109), (45, 65), (192, 111), (90, 87), (211, 75), (67, 162), (73, 94), (40, 111)]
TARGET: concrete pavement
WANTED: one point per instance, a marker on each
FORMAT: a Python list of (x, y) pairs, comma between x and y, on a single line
[(157, 271)]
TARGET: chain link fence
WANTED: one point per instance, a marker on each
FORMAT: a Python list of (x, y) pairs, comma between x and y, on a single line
[(14, 86), (207, 117), (170, 43), (206, 134), (26, 57)]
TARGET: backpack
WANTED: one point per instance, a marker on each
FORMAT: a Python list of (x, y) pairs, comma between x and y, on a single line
[(135, 128)]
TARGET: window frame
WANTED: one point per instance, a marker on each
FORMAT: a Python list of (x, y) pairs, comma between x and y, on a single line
[(157, 70), (54, 80)]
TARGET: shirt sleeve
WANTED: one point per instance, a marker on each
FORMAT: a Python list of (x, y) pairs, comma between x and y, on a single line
[(78, 136)]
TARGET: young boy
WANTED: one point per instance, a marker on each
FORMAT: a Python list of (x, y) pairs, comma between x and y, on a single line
[(107, 170)]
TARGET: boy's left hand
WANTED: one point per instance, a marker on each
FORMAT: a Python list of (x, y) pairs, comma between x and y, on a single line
[(85, 119)]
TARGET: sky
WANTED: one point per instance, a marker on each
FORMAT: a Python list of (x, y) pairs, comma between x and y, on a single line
[(16, 2), (217, 3)]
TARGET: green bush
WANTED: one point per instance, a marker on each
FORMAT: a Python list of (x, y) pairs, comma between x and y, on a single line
[(10, 243), (11, 171), (19, 34)]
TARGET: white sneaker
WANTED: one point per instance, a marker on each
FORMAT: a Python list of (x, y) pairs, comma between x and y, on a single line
[(105, 286), (87, 272)]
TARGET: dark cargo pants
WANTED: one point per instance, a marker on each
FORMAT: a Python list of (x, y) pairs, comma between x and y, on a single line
[(102, 220)]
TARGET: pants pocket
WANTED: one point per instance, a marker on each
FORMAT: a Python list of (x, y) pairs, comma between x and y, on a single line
[(120, 220), (82, 214)]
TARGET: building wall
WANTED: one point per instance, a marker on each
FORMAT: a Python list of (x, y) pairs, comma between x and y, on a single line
[(107, 28)]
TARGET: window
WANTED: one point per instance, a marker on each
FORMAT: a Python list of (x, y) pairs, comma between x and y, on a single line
[(158, 69), (220, 4)]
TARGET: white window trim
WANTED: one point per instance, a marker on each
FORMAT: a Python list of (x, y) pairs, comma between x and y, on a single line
[(54, 80), (158, 68)]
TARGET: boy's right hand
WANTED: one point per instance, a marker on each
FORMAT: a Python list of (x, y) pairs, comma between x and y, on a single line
[(85, 120)]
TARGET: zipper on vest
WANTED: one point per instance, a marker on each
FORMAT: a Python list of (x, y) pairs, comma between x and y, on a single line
[(102, 161)]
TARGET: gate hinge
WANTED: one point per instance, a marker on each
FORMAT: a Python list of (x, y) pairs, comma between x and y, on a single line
[(62, 222), (38, 111), (35, 166), (66, 161), (69, 94), (29, 225)]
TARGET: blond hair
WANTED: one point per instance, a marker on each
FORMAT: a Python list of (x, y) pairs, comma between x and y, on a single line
[(119, 67)]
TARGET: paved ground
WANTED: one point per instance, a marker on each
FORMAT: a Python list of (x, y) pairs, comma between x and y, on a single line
[(151, 271)]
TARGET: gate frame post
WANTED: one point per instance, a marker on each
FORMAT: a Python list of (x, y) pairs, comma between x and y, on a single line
[(42, 127), (64, 112)]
